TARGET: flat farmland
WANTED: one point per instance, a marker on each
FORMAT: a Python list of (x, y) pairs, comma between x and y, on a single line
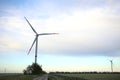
[(12, 76), (84, 77), (62, 77)]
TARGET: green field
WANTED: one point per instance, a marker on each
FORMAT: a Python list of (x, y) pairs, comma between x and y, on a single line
[(12, 76), (62, 77), (84, 77)]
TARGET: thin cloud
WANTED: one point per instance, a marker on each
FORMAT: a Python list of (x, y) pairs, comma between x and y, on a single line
[(92, 34), (91, 31)]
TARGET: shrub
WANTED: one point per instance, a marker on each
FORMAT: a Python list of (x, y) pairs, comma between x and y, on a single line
[(33, 69)]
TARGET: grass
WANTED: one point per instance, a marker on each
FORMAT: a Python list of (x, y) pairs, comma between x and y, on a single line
[(97, 76), (85, 77), (62, 77), (11, 76), (52, 77)]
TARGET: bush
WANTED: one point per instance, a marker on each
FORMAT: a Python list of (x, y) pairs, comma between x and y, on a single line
[(33, 69)]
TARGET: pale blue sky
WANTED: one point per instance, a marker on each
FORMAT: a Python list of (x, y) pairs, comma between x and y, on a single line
[(89, 34)]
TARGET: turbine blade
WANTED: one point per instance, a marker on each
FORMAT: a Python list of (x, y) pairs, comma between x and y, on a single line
[(30, 25), (47, 33), (32, 45)]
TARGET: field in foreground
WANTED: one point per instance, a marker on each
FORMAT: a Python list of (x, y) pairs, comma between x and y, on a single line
[(12, 76), (84, 77), (62, 77)]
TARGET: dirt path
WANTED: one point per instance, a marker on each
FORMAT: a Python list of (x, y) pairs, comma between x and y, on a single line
[(44, 77)]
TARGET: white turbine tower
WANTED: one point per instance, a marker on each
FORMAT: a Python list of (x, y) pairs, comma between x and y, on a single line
[(111, 62), (36, 39)]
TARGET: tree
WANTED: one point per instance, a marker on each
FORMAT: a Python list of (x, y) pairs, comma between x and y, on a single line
[(33, 69), (25, 72), (36, 69), (29, 70)]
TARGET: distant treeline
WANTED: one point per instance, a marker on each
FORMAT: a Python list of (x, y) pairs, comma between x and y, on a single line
[(84, 72)]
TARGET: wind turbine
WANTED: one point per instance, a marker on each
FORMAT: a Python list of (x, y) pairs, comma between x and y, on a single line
[(111, 62), (36, 39)]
